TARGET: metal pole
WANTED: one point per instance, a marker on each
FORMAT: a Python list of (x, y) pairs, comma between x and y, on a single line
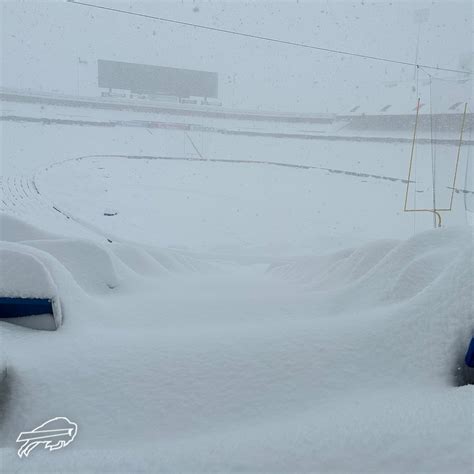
[(459, 154), (433, 157), (411, 155)]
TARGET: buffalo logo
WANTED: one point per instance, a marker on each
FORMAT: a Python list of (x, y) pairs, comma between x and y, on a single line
[(54, 434)]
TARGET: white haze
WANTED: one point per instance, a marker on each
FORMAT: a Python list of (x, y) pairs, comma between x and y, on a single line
[(45, 39)]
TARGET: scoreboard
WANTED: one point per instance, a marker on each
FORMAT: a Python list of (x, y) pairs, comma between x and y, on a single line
[(159, 80)]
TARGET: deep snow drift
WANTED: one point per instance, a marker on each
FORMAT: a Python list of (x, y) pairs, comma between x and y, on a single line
[(345, 362)]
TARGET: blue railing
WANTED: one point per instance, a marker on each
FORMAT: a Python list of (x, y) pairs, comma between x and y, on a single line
[(17, 307)]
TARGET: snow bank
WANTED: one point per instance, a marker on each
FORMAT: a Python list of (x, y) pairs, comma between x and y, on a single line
[(39, 264), (25, 276), (13, 229), (138, 259), (421, 289), (337, 363), (93, 266), (334, 270)]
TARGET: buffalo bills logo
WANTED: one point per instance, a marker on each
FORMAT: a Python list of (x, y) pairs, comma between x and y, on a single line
[(53, 434)]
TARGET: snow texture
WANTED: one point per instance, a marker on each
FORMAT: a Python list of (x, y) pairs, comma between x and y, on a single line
[(260, 368)]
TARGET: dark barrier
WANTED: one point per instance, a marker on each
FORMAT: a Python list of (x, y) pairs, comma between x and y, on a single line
[(17, 307), (469, 359)]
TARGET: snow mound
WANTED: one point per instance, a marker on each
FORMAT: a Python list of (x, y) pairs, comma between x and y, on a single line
[(137, 259), (262, 372), (178, 261), (94, 267), (25, 276), (38, 264), (418, 291), (382, 271), (13, 229), (334, 270)]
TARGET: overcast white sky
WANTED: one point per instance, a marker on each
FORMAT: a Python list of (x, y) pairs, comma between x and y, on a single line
[(41, 42)]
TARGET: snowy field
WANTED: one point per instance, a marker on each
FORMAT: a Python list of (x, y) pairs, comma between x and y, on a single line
[(268, 308)]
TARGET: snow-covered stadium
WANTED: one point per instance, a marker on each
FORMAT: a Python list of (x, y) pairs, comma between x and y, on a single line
[(246, 281)]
